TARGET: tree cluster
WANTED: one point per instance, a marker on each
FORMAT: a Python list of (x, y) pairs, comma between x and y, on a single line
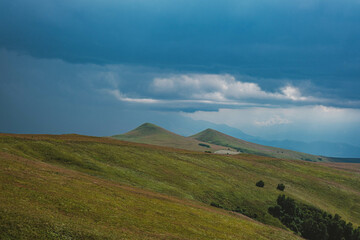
[(312, 223)]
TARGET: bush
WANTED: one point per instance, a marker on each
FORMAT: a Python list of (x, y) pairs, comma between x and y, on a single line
[(215, 205), (280, 187), (260, 183), (204, 145), (245, 212)]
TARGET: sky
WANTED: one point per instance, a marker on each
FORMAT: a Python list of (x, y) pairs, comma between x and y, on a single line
[(275, 69)]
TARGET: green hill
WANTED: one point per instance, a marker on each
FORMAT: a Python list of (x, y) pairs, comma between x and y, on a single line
[(43, 201), (97, 168), (151, 134), (218, 138)]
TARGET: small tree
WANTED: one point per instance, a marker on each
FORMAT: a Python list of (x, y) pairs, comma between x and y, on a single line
[(280, 187), (260, 183), (216, 205)]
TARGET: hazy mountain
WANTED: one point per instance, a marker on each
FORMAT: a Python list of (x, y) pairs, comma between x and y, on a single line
[(186, 126), (218, 138)]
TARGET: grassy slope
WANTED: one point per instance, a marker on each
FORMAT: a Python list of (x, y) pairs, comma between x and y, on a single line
[(218, 138), (151, 134), (227, 180), (42, 201)]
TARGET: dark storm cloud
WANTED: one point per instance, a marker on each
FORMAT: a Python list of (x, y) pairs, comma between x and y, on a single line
[(317, 40), (296, 36)]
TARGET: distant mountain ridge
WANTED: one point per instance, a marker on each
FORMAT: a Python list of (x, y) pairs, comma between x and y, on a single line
[(152, 134), (207, 140), (219, 138), (211, 140), (186, 126), (322, 148)]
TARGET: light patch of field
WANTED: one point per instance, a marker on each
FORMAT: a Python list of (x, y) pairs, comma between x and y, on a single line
[(226, 152)]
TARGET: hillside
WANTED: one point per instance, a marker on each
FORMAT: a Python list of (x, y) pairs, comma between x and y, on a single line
[(188, 176), (218, 138), (151, 134), (43, 201)]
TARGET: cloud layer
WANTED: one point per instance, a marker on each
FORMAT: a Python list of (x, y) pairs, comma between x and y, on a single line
[(210, 91), (216, 87)]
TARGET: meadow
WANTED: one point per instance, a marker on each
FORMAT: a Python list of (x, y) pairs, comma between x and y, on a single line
[(193, 177)]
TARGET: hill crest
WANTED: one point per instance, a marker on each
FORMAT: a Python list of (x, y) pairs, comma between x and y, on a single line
[(209, 132), (152, 134), (148, 129), (215, 137)]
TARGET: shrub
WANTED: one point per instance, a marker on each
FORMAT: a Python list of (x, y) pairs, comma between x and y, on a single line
[(216, 205), (204, 145), (260, 183), (245, 212), (280, 187)]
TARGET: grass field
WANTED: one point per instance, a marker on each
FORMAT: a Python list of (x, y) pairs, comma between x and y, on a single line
[(42, 201), (189, 176)]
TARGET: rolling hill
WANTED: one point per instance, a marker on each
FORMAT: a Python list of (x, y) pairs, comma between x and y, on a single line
[(210, 140), (151, 134), (50, 191), (117, 185), (43, 201), (218, 138)]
